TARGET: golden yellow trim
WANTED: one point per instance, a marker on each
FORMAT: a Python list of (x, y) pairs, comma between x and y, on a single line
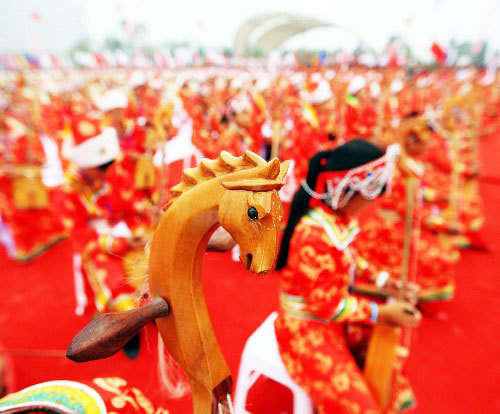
[(342, 237)]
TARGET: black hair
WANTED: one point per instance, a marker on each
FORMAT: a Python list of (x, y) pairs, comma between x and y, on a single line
[(104, 167), (345, 157)]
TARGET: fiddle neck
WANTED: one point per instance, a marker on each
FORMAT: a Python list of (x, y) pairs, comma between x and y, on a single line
[(177, 252)]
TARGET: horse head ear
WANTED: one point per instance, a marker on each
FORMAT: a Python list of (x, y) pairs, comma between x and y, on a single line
[(283, 170), (272, 169), (271, 178)]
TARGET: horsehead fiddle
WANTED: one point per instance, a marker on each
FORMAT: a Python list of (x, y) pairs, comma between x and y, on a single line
[(240, 194)]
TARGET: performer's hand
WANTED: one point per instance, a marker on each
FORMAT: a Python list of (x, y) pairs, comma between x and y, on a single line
[(221, 241), (137, 242), (410, 291), (399, 314)]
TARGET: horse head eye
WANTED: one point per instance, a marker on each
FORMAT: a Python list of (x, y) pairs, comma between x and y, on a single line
[(253, 213)]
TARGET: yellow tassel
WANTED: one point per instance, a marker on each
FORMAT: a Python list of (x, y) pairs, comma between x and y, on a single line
[(144, 174), (29, 192)]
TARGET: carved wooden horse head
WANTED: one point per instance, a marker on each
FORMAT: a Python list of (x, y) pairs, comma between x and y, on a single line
[(240, 194)]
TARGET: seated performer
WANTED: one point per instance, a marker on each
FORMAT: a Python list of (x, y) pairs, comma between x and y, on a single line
[(99, 240), (317, 266), (433, 267), (101, 235), (28, 222), (134, 174)]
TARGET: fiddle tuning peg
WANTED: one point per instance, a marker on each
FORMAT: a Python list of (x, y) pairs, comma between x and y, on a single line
[(107, 334)]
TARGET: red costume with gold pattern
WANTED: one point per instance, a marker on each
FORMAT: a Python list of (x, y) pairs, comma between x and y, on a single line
[(454, 204), (315, 308), (133, 177), (29, 222)]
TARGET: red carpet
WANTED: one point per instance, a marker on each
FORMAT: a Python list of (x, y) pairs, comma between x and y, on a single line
[(453, 365)]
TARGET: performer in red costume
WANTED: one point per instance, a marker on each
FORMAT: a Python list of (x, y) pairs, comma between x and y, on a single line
[(134, 176), (248, 113), (310, 124), (28, 222), (358, 124), (382, 237), (142, 101), (88, 212), (317, 267)]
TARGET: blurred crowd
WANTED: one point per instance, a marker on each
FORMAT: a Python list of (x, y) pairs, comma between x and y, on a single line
[(91, 154)]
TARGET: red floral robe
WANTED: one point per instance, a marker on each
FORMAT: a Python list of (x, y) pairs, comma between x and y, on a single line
[(315, 308)]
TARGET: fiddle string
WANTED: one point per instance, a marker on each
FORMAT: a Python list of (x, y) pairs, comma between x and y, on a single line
[(226, 407), (230, 403)]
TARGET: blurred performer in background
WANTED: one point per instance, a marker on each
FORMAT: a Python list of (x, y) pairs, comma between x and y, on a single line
[(133, 174), (355, 121), (456, 204), (308, 122), (99, 238), (142, 101), (138, 141), (28, 223), (381, 240), (317, 264)]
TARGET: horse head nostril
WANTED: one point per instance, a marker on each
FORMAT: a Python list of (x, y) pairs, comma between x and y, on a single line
[(249, 260)]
